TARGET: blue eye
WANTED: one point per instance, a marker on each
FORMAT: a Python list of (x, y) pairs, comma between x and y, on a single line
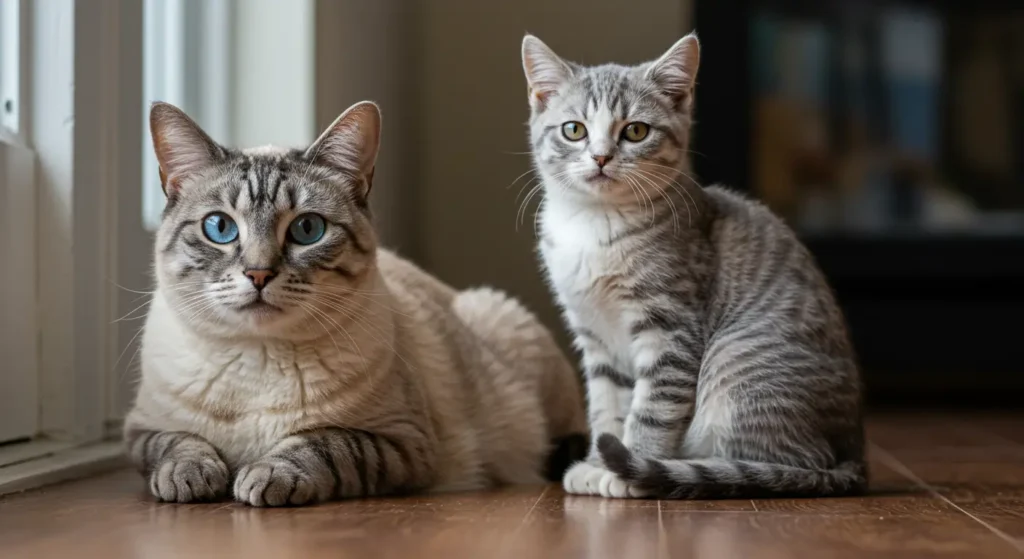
[(220, 228), (306, 229)]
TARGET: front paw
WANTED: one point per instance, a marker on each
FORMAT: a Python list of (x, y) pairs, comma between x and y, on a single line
[(189, 479), (586, 479), (274, 482)]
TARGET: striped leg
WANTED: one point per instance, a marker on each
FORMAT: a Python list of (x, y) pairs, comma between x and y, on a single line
[(608, 390), (667, 364), (608, 396), (181, 467), (336, 463)]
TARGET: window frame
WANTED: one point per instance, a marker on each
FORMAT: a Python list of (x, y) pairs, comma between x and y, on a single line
[(12, 65), (18, 340), (80, 114)]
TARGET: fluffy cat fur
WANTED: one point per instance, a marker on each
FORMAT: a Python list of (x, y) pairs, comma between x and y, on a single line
[(286, 373), (717, 361)]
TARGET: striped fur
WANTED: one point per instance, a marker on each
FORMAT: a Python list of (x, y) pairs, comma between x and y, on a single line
[(717, 361), (351, 372)]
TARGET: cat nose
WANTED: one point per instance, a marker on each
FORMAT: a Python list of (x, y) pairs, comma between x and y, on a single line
[(602, 160), (260, 278)]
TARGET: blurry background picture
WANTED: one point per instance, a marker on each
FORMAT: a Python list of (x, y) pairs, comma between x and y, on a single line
[(890, 135)]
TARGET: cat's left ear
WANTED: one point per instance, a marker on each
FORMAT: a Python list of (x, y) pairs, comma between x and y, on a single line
[(676, 71), (350, 144)]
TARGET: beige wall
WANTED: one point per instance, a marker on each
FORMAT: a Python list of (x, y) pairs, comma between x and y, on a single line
[(365, 50), (472, 110)]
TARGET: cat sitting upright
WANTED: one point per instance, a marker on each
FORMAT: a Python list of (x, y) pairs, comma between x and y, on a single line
[(717, 360)]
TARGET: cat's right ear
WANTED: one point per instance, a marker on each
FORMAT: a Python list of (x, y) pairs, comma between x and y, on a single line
[(546, 72), (181, 146)]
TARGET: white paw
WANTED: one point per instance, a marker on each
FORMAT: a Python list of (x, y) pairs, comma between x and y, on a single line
[(587, 479)]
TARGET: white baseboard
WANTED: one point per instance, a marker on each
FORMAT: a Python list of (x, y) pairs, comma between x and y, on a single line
[(46, 463)]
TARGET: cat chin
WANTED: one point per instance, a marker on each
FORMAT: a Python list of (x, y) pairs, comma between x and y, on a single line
[(610, 191), (253, 322)]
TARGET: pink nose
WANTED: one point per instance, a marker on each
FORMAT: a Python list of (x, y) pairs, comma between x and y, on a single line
[(260, 278), (602, 160)]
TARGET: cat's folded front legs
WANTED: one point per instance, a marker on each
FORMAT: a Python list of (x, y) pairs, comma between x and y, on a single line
[(332, 463), (180, 467)]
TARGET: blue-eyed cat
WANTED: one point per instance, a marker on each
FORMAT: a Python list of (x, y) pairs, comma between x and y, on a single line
[(717, 361), (287, 359)]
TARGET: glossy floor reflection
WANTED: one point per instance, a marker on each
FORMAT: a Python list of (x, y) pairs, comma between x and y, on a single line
[(943, 486)]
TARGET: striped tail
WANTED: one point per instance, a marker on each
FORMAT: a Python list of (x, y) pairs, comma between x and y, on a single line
[(718, 478)]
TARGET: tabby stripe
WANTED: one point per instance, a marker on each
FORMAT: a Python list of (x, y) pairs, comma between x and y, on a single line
[(668, 360), (299, 465), (669, 134), (544, 135), (279, 178), (249, 184), (340, 270), (617, 378), (653, 422), (701, 473), (663, 319), (290, 191), (371, 445), (177, 233), (672, 397), (355, 240), (681, 382), (382, 459), (322, 451), (356, 441), (156, 447), (147, 447), (406, 458)]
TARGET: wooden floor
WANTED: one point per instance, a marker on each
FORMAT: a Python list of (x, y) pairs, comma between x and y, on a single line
[(944, 486)]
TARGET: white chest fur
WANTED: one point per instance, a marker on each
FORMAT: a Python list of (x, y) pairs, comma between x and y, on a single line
[(587, 273)]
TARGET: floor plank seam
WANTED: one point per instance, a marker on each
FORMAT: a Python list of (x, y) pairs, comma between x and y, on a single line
[(663, 552), (529, 513), (898, 467)]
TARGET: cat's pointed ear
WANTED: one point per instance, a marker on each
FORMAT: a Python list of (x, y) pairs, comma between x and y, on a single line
[(182, 148), (676, 71), (351, 142), (546, 72)]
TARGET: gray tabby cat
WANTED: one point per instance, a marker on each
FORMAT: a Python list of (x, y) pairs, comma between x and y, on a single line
[(717, 361), (287, 360)]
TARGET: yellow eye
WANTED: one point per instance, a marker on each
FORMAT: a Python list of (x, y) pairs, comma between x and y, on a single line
[(636, 131), (574, 131)]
